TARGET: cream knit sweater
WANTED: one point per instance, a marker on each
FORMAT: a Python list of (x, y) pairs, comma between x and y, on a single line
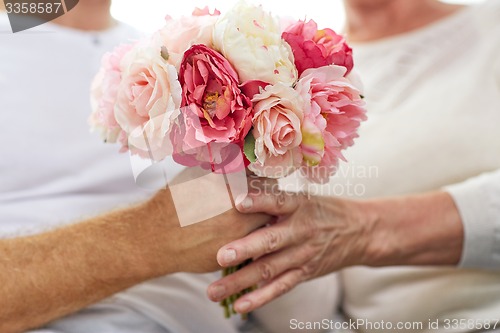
[(434, 121)]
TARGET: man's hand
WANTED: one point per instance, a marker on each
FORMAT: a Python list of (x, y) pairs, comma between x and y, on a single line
[(194, 248)]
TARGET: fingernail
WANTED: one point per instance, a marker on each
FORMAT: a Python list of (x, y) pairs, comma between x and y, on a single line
[(218, 292), (229, 256), (247, 203), (243, 306)]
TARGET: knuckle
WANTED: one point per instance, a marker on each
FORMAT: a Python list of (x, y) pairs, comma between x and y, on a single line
[(307, 262), (307, 271), (271, 241), (265, 271), (282, 287), (280, 199), (305, 254)]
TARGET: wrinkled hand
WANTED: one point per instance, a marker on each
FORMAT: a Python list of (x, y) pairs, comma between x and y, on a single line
[(312, 236)]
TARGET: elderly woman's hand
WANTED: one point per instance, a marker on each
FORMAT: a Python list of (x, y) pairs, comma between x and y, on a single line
[(313, 236)]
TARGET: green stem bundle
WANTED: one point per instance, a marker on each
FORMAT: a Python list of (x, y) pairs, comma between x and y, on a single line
[(228, 303)]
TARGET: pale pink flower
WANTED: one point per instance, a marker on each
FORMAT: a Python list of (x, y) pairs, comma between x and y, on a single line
[(277, 131), (332, 118), (180, 34), (103, 95), (148, 100)]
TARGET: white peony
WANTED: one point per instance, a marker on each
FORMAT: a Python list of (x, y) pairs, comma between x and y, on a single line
[(250, 39)]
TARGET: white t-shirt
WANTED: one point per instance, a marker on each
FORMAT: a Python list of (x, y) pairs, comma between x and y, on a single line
[(434, 119), (52, 169)]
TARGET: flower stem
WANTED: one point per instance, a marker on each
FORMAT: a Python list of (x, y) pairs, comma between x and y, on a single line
[(228, 303)]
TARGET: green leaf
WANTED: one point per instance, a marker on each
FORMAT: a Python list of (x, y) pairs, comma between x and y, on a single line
[(249, 147)]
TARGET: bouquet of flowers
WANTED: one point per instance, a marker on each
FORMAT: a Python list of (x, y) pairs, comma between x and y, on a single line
[(209, 87)]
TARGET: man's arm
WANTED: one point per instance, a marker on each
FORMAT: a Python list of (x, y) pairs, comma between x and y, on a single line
[(47, 276)]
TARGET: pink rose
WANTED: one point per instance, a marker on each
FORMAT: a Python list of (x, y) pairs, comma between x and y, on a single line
[(332, 118), (313, 48), (148, 100), (277, 131), (104, 91), (210, 90), (178, 35), (215, 111)]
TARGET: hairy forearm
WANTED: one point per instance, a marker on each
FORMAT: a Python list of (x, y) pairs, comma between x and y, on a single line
[(421, 229), (46, 276)]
